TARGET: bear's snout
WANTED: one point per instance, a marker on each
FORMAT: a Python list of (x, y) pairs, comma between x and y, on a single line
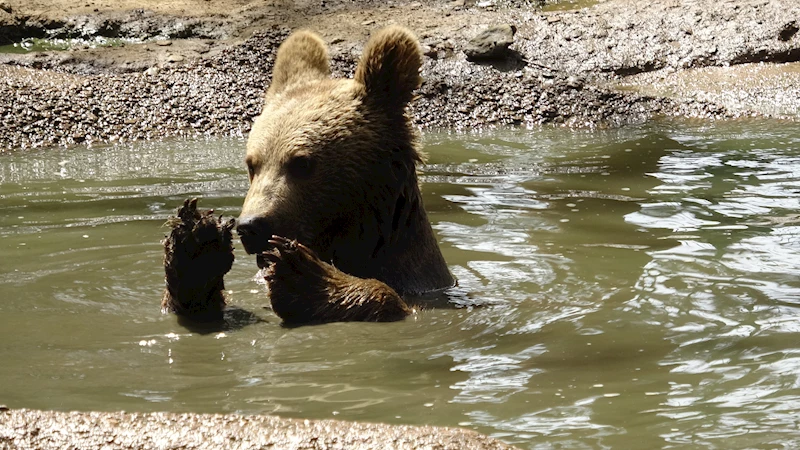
[(255, 232)]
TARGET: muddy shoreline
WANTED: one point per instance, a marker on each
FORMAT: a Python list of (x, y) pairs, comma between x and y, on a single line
[(202, 71)]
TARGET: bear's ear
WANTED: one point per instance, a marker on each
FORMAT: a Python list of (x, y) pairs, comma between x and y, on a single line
[(302, 57), (389, 66)]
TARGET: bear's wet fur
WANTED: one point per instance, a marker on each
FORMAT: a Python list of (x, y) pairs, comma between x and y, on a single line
[(334, 211)]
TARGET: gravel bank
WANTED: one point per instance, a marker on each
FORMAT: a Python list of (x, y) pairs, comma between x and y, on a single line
[(559, 71), (28, 429), (218, 95)]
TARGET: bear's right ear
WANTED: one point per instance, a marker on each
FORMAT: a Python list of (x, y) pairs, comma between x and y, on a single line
[(302, 57)]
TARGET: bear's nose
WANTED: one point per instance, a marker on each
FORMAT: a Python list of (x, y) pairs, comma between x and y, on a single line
[(249, 225), (254, 232)]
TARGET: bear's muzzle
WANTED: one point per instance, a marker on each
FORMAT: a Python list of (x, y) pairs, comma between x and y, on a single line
[(255, 232)]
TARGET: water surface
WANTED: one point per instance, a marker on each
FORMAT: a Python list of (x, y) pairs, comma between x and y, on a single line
[(641, 289)]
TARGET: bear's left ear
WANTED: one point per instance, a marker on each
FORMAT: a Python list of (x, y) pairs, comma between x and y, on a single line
[(302, 57), (389, 66)]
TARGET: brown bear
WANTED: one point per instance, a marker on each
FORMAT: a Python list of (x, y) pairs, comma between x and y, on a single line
[(334, 211)]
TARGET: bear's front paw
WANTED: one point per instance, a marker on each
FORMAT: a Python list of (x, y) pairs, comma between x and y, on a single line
[(295, 274), (305, 289), (197, 254)]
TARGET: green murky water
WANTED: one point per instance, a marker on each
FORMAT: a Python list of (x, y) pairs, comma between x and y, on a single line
[(643, 289)]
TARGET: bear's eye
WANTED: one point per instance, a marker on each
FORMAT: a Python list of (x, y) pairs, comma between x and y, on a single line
[(300, 166), (250, 162), (251, 171)]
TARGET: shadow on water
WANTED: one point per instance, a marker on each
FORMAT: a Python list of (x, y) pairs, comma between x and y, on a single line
[(234, 319)]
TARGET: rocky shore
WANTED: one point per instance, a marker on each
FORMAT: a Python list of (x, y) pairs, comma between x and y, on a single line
[(203, 71), (29, 429)]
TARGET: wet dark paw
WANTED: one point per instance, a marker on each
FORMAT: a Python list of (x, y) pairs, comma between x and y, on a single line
[(305, 289), (199, 244), (290, 259), (296, 278), (197, 254)]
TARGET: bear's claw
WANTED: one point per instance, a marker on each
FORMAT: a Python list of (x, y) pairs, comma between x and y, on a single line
[(296, 256)]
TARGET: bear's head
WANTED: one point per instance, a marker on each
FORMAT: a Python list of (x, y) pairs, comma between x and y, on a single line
[(332, 162)]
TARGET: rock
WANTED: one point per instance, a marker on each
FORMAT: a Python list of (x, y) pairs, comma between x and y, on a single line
[(5, 7), (574, 82), (491, 44), (153, 71), (164, 43), (430, 51), (175, 58), (788, 31)]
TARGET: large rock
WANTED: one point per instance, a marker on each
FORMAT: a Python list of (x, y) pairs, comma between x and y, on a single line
[(491, 43)]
